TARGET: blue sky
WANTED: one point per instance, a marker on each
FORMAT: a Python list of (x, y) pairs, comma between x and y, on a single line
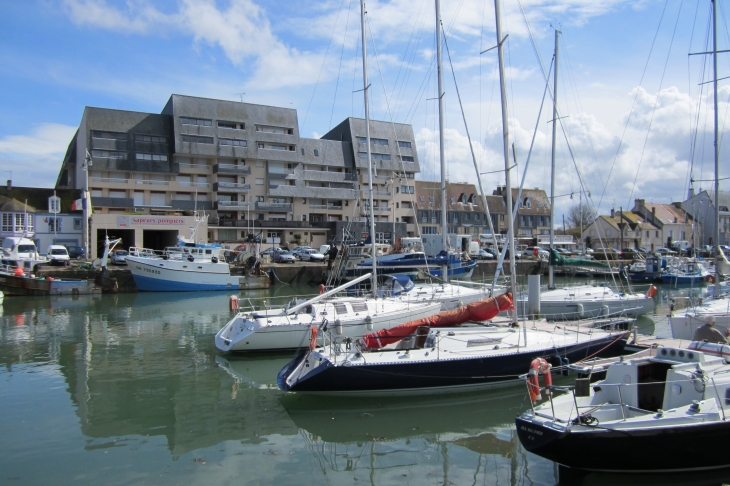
[(56, 57)]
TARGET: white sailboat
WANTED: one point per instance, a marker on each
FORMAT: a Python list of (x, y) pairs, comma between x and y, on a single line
[(347, 318)]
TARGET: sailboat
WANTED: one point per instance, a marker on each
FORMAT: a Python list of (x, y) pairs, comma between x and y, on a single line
[(431, 356), (717, 307), (580, 301), (347, 317)]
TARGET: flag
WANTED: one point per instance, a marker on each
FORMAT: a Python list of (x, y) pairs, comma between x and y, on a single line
[(77, 205)]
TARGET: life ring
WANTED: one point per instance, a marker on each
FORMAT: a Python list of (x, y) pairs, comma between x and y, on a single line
[(710, 278), (652, 292), (313, 339), (538, 367), (321, 289)]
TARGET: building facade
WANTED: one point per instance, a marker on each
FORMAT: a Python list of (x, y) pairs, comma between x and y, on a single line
[(702, 209), (244, 164)]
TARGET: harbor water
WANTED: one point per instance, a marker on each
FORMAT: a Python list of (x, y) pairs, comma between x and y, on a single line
[(130, 389)]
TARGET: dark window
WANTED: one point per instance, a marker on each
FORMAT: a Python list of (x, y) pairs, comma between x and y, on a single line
[(196, 139), (235, 143), (196, 121)]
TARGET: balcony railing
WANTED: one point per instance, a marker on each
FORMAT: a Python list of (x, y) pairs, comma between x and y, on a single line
[(194, 166), (264, 206), (231, 186), (154, 183), (232, 205), (231, 168), (194, 184), (259, 223), (109, 180), (317, 206)]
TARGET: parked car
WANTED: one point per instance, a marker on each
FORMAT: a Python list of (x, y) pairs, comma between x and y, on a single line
[(485, 255), (119, 257), (75, 252), (284, 257), (57, 255), (311, 255), (271, 251), (297, 252), (530, 251), (665, 251)]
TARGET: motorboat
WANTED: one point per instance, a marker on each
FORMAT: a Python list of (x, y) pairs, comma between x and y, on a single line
[(661, 413), (192, 266), (685, 322), (588, 301), (291, 327), (432, 356)]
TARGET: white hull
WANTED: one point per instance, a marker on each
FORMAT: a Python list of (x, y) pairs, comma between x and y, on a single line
[(586, 301), (262, 332), (159, 275)]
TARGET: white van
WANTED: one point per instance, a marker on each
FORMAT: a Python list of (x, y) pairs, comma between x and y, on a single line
[(57, 255)]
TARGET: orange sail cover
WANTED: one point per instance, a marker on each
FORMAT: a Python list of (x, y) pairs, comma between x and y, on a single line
[(476, 311)]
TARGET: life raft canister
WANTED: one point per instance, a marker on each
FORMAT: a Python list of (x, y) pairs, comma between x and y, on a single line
[(538, 367)]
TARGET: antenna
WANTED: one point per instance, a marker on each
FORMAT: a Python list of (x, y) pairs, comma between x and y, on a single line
[(241, 96)]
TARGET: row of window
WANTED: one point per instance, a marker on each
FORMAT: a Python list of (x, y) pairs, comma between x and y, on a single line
[(382, 141), (529, 221), (155, 157), (16, 222), (234, 143), (364, 155)]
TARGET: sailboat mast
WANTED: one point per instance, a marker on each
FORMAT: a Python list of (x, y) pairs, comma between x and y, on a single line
[(374, 254), (505, 137), (716, 292), (439, 66), (551, 270)]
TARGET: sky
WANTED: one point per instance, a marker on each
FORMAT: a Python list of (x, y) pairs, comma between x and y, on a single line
[(636, 119)]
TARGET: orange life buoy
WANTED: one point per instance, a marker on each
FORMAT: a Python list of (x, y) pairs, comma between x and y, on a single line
[(652, 292), (710, 278), (18, 272), (313, 339), (538, 367), (321, 289)]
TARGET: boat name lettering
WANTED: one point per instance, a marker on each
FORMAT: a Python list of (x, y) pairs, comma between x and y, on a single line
[(532, 431), (149, 270)]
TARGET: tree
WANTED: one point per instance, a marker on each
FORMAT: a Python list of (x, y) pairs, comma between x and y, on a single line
[(579, 213)]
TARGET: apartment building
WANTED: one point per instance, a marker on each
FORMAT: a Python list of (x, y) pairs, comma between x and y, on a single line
[(245, 165)]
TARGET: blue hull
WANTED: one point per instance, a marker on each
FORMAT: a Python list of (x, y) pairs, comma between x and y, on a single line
[(673, 279), (465, 271), (148, 284)]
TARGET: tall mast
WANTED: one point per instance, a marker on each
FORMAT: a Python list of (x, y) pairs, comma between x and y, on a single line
[(365, 85), (444, 228), (551, 270), (717, 151), (505, 136)]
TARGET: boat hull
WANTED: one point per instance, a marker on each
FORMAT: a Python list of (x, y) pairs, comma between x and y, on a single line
[(457, 375), (13, 285), (659, 449), (157, 275)]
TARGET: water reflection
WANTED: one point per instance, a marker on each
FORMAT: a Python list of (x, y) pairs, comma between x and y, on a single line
[(130, 388)]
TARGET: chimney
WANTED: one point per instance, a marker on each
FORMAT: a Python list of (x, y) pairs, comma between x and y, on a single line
[(612, 212), (653, 211), (691, 193), (10, 184), (639, 203)]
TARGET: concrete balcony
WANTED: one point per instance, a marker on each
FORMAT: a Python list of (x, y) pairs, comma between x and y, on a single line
[(191, 205), (279, 174), (113, 202), (232, 169), (280, 207), (152, 183), (326, 176), (231, 205), (258, 223), (108, 182), (199, 185), (338, 193), (377, 192), (186, 168), (231, 187)]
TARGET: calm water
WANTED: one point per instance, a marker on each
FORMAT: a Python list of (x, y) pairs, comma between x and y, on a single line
[(129, 389)]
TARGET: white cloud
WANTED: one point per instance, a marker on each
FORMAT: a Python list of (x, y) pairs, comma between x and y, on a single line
[(30, 156)]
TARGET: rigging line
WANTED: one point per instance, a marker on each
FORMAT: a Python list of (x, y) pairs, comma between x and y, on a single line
[(633, 104), (694, 130), (321, 68), (339, 68), (415, 31), (727, 38), (656, 102), (702, 86), (471, 148)]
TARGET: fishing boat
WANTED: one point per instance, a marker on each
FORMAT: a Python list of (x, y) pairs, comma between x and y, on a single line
[(431, 356), (649, 270), (291, 327), (194, 266), (662, 413), (685, 271)]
